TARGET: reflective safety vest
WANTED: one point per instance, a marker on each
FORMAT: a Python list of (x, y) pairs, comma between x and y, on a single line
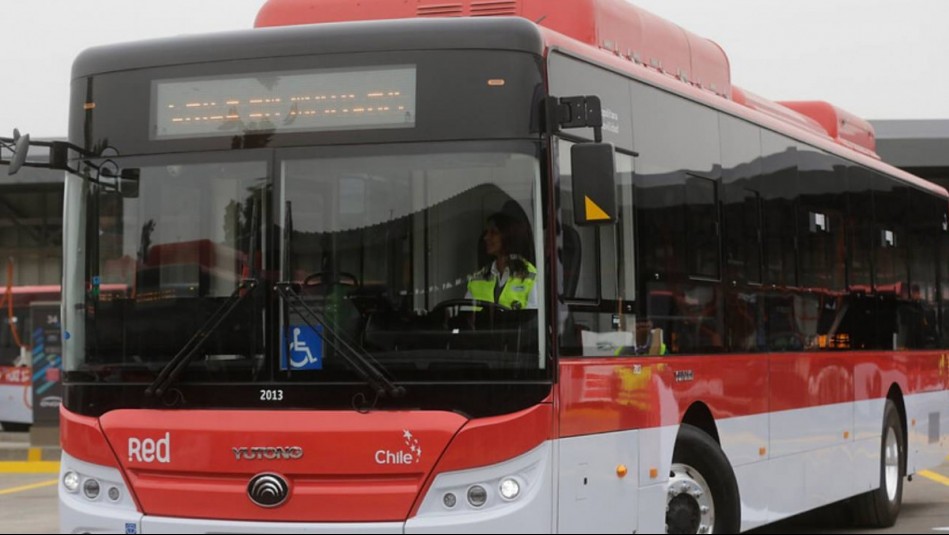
[(515, 293)]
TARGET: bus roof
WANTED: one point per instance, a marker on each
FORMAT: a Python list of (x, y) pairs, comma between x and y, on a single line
[(513, 34), (615, 26)]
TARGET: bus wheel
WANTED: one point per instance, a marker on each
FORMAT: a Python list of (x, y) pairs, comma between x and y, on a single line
[(703, 493), (15, 427), (879, 508)]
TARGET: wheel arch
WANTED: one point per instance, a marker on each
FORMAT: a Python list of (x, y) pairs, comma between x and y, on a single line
[(895, 394), (699, 415)]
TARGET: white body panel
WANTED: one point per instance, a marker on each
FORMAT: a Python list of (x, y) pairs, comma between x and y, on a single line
[(14, 404), (928, 439), (78, 514), (803, 430), (592, 496), (530, 512)]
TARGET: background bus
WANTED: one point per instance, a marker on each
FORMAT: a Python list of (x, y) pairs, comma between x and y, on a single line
[(23, 332), (746, 302)]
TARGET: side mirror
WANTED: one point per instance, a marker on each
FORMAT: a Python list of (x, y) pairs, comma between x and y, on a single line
[(594, 183), (21, 148)]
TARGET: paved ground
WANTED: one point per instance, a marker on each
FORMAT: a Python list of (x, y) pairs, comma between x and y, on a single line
[(925, 510)]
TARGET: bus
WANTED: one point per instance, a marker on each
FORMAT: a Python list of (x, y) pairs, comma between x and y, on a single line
[(724, 311), (29, 353)]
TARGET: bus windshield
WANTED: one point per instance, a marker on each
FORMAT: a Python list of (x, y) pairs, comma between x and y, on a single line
[(420, 256)]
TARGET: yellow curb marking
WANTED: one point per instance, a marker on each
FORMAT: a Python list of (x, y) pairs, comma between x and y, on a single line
[(29, 467), (39, 485), (938, 478), (34, 454)]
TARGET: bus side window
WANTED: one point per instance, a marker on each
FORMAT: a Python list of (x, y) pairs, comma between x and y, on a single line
[(597, 266)]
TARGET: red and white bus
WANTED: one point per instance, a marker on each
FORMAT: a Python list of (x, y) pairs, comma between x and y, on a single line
[(23, 351), (739, 313)]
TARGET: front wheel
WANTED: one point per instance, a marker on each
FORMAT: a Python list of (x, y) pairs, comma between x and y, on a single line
[(879, 508), (703, 493)]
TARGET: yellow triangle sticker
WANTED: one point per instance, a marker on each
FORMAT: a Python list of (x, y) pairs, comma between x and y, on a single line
[(594, 212)]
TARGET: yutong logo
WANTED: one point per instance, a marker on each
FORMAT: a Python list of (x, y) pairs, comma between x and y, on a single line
[(414, 454), (149, 450), (268, 453)]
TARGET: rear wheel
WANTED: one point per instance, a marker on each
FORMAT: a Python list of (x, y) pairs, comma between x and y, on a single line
[(703, 494), (16, 427), (879, 508)]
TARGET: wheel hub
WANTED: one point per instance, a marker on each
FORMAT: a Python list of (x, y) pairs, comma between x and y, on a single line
[(689, 506), (891, 469)]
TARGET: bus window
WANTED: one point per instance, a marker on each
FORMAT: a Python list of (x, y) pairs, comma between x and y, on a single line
[(821, 207), (860, 228), (779, 189), (741, 200), (422, 255), (917, 314), (598, 271), (161, 261)]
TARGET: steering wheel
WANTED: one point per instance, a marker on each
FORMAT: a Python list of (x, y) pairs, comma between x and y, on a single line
[(473, 308), (342, 277), (473, 303)]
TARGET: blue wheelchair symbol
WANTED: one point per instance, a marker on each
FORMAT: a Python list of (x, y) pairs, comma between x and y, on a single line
[(305, 347)]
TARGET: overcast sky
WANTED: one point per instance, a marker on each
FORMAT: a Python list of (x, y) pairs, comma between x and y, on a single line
[(881, 59)]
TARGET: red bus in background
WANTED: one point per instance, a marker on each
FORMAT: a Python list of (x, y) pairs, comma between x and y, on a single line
[(16, 358), (738, 312)]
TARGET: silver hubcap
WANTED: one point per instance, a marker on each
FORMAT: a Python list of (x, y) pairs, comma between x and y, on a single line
[(891, 467), (686, 485)]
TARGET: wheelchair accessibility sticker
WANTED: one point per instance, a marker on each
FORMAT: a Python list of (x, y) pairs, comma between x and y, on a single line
[(302, 348)]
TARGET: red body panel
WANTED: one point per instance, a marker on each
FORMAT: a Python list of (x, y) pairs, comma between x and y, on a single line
[(82, 438), (614, 394), (490, 441), (602, 395), (190, 462), (841, 125), (16, 375), (614, 25)]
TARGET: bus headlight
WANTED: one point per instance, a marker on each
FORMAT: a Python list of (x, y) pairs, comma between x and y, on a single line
[(71, 481), (509, 488), (489, 490)]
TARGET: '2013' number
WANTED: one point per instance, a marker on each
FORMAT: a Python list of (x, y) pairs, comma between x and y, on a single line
[(271, 395)]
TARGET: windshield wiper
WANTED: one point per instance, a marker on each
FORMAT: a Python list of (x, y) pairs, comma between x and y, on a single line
[(170, 373), (360, 361)]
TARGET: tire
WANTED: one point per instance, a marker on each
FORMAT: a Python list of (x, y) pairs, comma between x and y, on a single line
[(703, 493), (879, 508), (14, 427)]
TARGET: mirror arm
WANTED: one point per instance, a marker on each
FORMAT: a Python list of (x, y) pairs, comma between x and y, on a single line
[(577, 112), (58, 156)]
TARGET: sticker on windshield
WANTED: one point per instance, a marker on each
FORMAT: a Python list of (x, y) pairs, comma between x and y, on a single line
[(302, 348)]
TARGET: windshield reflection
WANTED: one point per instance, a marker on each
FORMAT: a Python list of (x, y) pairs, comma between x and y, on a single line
[(403, 255), (419, 258)]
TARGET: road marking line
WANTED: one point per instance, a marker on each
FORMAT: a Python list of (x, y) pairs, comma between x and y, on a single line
[(39, 485), (938, 478), (29, 467)]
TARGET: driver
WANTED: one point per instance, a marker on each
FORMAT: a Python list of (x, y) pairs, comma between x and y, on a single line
[(509, 279)]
